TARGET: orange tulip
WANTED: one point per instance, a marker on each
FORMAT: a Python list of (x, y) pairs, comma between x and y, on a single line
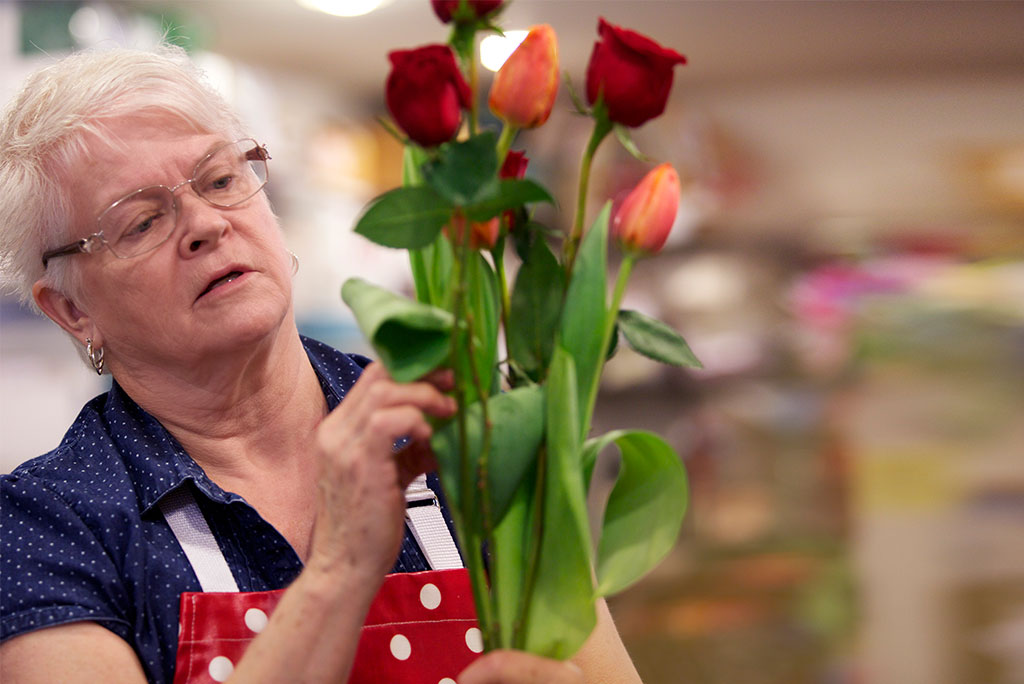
[(524, 89), (643, 220), (482, 235)]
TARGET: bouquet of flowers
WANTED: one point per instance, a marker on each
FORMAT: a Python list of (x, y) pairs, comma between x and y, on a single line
[(517, 459)]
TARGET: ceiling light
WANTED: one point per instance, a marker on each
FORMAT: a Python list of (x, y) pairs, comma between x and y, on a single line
[(494, 49), (343, 8)]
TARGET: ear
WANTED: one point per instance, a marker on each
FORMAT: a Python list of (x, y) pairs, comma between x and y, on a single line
[(62, 311)]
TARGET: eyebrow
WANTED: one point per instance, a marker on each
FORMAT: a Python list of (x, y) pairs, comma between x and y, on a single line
[(117, 197)]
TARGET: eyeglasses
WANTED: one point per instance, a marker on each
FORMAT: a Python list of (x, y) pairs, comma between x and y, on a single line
[(143, 220)]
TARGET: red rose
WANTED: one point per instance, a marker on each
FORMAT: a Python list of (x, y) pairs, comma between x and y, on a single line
[(633, 72), (426, 93), (444, 9)]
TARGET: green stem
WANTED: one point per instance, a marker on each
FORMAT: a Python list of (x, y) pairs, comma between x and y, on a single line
[(469, 521), (508, 134), (483, 531), (498, 254), (602, 127), (474, 81)]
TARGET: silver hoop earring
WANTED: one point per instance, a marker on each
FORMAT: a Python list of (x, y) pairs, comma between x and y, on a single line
[(95, 356), (295, 262)]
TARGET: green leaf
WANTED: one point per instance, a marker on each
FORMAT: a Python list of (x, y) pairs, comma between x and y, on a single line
[(511, 193), (650, 495), (513, 540), (409, 337), (466, 172), (655, 340), (584, 314), (626, 140), (577, 101), (561, 610), (517, 430), (405, 218), (533, 312)]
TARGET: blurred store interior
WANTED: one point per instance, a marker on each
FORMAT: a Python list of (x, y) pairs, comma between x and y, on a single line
[(848, 264)]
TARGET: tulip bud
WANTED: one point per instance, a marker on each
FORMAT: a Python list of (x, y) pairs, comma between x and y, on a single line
[(643, 220), (483, 234), (446, 10), (426, 93), (524, 89)]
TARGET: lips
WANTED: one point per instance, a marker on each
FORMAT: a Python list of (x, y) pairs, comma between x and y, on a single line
[(222, 279)]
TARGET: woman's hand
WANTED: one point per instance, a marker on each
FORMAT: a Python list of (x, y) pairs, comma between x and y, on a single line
[(362, 481), (518, 667)]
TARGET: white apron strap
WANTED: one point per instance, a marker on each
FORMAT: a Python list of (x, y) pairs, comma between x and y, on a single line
[(200, 547), (423, 515)]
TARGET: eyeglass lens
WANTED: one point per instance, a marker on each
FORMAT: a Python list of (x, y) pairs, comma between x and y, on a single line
[(144, 219)]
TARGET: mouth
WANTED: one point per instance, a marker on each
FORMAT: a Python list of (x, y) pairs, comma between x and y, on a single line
[(218, 282)]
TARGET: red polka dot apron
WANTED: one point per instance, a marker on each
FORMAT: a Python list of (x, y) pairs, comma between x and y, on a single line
[(421, 627)]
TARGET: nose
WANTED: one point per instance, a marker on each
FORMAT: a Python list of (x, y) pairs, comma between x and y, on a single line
[(202, 224)]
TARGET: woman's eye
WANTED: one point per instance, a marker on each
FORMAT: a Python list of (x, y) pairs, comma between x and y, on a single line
[(140, 228), (221, 183)]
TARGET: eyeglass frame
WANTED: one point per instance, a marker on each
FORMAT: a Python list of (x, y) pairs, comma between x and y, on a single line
[(96, 241)]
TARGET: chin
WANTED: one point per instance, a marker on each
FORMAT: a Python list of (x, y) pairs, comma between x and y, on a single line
[(254, 324)]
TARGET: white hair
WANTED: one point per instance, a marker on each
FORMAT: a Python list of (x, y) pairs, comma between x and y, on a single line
[(45, 130)]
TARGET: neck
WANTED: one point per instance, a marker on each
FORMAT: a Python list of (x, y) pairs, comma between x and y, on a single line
[(250, 410)]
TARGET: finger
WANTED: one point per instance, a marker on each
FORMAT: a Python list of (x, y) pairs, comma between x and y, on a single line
[(518, 667), (379, 391), (388, 425), (442, 378), (413, 460)]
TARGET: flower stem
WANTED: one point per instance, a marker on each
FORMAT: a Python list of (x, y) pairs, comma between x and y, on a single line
[(474, 82), (483, 524), (602, 127), (508, 134), (469, 522)]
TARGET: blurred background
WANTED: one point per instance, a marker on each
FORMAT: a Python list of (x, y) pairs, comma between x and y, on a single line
[(847, 264)]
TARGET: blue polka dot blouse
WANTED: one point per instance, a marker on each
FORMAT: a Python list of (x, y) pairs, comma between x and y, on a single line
[(82, 537)]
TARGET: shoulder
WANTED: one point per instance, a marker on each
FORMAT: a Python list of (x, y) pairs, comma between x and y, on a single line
[(337, 370), (87, 466), (61, 551), (65, 521)]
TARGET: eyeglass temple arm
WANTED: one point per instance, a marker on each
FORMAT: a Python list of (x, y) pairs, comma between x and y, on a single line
[(257, 153), (73, 248)]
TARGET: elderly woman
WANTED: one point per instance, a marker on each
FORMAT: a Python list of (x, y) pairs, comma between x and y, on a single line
[(233, 465)]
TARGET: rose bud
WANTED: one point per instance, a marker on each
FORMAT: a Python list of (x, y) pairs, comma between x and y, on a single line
[(632, 72), (513, 167), (446, 9), (483, 234), (645, 217), (524, 89), (426, 93)]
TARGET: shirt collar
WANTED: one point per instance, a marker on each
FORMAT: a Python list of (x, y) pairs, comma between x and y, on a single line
[(156, 461)]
